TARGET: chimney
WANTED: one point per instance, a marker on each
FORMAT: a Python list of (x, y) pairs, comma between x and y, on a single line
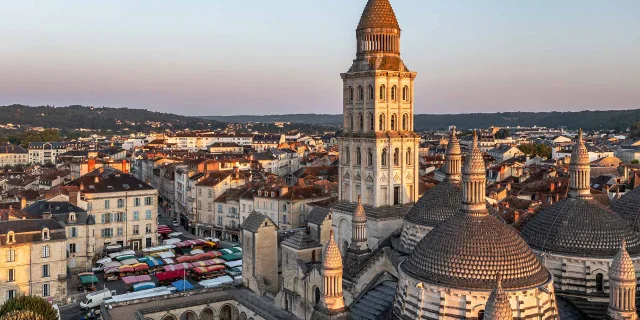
[(236, 172), (516, 216), (101, 169), (552, 186), (606, 189), (74, 197), (283, 190), (91, 164), (96, 179), (81, 186), (125, 168), (23, 203), (508, 186)]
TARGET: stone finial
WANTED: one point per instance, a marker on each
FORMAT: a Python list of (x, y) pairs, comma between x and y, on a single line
[(331, 258), (622, 267), (498, 306), (359, 214)]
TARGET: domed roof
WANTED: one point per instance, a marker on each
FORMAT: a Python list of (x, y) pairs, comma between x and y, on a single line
[(331, 258), (468, 250), (436, 205), (622, 267), (378, 14), (579, 227), (628, 207), (498, 306)]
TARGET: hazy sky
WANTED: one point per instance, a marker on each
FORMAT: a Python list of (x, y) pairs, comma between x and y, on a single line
[(222, 57)]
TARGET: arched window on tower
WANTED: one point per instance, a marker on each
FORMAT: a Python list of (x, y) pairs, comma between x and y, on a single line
[(360, 121), (372, 122), (383, 157), (371, 93), (358, 156), (599, 282), (350, 94), (382, 124), (369, 157), (383, 92), (360, 93), (405, 93), (404, 122), (393, 93), (409, 156), (396, 157), (350, 120), (393, 122), (347, 155)]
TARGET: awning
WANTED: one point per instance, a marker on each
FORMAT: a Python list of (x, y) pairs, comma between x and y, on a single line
[(135, 279), (182, 285)]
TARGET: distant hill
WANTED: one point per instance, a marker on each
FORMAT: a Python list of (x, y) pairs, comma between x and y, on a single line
[(115, 119), (589, 120)]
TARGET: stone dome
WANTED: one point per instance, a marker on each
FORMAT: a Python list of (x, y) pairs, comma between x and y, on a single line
[(622, 267), (331, 258), (628, 207), (580, 227), (467, 251), (498, 306), (436, 205), (378, 14)]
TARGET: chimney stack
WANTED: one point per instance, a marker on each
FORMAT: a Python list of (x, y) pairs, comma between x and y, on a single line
[(74, 197), (516, 216), (125, 167), (96, 179), (23, 203), (91, 164)]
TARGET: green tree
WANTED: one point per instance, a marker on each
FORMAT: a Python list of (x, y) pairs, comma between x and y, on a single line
[(635, 161), (540, 150), (634, 132), (27, 307), (503, 133)]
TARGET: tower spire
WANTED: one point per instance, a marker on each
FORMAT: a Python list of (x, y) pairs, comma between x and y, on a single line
[(332, 298), (474, 181), (359, 230), (498, 306), (579, 170), (453, 158), (622, 281)]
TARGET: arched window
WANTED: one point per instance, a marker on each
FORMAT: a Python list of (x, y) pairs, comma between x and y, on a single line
[(371, 93), (350, 116), (369, 157), (382, 122), (372, 122), (393, 93), (396, 157), (360, 93), (404, 122), (11, 237), (207, 314), (383, 157), (358, 156), (189, 315), (393, 122), (409, 156), (347, 155), (350, 94), (599, 282), (481, 315), (360, 121), (383, 90), (405, 93), (317, 295), (225, 313)]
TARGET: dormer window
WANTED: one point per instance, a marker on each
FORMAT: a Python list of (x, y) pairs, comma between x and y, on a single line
[(45, 234), (72, 216), (11, 237)]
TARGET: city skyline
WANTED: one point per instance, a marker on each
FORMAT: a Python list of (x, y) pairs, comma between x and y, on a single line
[(200, 58)]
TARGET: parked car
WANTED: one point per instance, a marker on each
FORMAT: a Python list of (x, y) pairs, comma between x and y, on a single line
[(175, 223)]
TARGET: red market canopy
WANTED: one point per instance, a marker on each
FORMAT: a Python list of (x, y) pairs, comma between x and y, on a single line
[(184, 259), (126, 269), (170, 275)]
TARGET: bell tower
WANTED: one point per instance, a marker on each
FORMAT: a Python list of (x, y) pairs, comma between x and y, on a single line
[(378, 148)]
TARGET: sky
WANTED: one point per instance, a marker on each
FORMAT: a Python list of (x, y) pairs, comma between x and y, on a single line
[(227, 57)]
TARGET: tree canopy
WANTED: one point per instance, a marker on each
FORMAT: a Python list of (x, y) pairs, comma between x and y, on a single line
[(27, 307)]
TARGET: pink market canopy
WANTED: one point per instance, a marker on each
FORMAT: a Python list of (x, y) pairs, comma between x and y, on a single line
[(135, 279), (179, 266)]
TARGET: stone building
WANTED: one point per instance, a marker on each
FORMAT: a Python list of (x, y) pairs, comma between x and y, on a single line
[(125, 209), (34, 259), (11, 155), (260, 255)]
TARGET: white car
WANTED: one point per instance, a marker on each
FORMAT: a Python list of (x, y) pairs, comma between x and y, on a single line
[(175, 223)]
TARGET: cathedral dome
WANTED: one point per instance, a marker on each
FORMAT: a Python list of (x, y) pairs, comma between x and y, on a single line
[(467, 251), (436, 205), (580, 227), (628, 207), (378, 14)]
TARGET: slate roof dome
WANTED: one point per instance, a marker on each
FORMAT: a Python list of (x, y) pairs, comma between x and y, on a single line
[(467, 251), (378, 14), (436, 205), (580, 227), (628, 207)]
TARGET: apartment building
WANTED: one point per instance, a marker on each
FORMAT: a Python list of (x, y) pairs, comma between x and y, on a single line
[(201, 141), (264, 142), (47, 152), (287, 206), (34, 259), (125, 208), (208, 189), (11, 155)]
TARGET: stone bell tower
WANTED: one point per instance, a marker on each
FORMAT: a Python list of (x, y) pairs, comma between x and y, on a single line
[(378, 148)]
